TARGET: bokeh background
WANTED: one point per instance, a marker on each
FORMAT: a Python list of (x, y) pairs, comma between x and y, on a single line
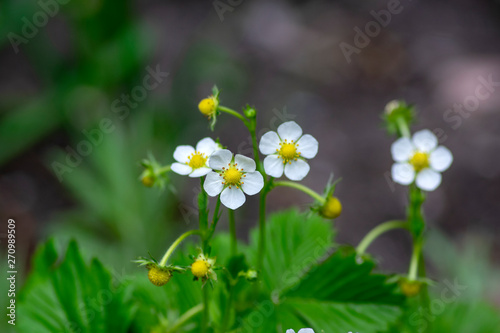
[(60, 78)]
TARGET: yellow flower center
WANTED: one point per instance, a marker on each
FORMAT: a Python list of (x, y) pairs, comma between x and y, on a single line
[(288, 151), (200, 268), (207, 106), (232, 176), (420, 161), (197, 160)]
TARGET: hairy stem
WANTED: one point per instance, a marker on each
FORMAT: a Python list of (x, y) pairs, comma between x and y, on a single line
[(233, 113), (302, 188), (232, 231), (377, 231), (174, 245)]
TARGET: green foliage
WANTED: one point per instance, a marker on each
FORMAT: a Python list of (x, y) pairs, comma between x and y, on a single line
[(309, 286), (67, 295)]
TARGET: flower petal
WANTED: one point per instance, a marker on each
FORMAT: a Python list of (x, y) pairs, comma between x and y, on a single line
[(199, 172), (441, 159), (244, 162), (252, 183), (232, 198), (213, 184), (403, 173), (206, 146), (181, 169), (306, 330), (273, 166), (428, 179), (269, 143), (290, 331), (425, 140), (289, 131), (297, 170), (307, 146), (402, 150), (181, 153), (219, 159)]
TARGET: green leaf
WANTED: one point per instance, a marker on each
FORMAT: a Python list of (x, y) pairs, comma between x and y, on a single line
[(310, 287), (72, 296), (294, 242)]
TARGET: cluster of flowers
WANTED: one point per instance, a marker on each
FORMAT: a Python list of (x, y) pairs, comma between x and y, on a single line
[(233, 176)]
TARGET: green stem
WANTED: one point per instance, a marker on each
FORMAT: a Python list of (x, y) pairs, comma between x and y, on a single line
[(233, 113), (415, 258), (251, 128), (185, 317), (174, 245), (204, 320), (232, 231), (377, 231), (302, 188), (203, 212), (262, 224), (215, 220), (227, 311), (403, 127), (164, 169)]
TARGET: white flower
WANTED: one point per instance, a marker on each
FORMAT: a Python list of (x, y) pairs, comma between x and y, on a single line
[(232, 177), (193, 162), (287, 150), (420, 159), (303, 330)]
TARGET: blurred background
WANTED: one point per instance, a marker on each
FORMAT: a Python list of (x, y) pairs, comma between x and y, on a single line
[(88, 88)]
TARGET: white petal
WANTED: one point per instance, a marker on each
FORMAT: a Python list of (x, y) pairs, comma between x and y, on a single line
[(273, 166), (290, 331), (232, 197), (269, 143), (402, 149), (181, 169), (244, 162), (306, 330), (213, 184), (308, 146), (181, 153), (297, 170), (289, 131), (425, 140), (220, 158), (403, 173), (428, 179), (206, 146), (441, 159), (199, 172), (253, 182)]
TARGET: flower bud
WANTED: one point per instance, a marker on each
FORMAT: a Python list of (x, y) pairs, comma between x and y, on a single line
[(250, 112), (410, 288), (331, 209), (251, 275), (159, 276), (391, 106)]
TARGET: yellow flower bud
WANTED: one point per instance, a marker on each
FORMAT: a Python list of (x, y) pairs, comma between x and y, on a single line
[(332, 208), (410, 288), (159, 276), (200, 268), (207, 106)]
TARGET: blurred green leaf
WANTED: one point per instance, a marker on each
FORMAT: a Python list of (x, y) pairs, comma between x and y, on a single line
[(67, 295)]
